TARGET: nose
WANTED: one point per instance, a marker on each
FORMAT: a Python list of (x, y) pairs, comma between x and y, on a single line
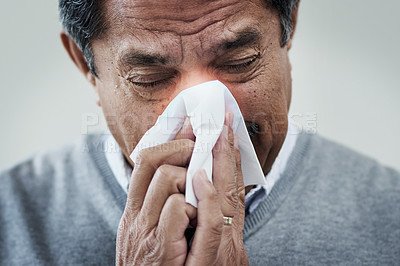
[(193, 78)]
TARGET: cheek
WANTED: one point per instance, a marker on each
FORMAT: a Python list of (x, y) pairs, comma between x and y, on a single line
[(261, 99), (128, 116)]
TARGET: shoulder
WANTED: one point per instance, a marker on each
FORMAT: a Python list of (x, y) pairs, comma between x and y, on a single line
[(337, 161), (46, 169), (58, 200), (339, 202), (350, 182)]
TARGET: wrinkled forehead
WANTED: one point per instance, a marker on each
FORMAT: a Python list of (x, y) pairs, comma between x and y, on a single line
[(171, 23), (185, 17)]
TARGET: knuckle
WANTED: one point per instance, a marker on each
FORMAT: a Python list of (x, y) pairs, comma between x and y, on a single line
[(131, 206), (171, 177), (163, 170), (230, 196), (130, 230), (142, 222), (123, 225), (136, 244), (177, 200), (241, 193), (151, 246), (164, 174), (152, 239), (143, 156)]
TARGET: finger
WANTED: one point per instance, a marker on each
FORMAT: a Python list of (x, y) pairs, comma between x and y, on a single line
[(175, 218), (239, 174), (241, 193), (204, 249), (167, 180), (176, 152), (224, 171), (186, 131)]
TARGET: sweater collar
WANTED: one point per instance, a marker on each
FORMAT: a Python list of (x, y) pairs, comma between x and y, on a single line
[(122, 170)]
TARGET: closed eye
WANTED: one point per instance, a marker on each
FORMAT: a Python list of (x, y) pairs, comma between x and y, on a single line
[(152, 83), (151, 80), (240, 65)]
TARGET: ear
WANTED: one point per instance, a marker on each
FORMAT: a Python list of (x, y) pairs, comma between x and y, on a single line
[(77, 57), (295, 12), (79, 60)]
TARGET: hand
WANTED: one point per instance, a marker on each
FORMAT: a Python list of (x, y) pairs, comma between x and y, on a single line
[(152, 227), (215, 243)]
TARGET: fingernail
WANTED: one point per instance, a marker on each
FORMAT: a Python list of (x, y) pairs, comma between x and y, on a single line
[(236, 141)]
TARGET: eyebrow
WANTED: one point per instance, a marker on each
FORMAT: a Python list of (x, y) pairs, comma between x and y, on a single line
[(243, 38), (140, 58)]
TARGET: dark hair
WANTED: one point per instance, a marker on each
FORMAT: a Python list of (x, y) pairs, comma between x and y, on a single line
[(285, 9), (83, 20)]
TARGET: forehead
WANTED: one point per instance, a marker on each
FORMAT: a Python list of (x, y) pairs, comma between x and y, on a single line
[(184, 17), (172, 25)]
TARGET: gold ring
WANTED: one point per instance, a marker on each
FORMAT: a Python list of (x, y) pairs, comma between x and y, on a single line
[(228, 220)]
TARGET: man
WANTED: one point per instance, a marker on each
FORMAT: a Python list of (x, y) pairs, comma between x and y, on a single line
[(323, 204)]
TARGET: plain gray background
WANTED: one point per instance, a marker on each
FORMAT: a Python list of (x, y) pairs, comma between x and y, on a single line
[(346, 78)]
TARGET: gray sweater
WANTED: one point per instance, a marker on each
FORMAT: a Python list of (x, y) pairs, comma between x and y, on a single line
[(331, 206)]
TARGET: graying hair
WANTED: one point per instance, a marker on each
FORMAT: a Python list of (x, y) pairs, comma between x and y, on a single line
[(285, 9), (83, 20)]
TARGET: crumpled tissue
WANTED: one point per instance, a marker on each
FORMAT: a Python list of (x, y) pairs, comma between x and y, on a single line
[(205, 105)]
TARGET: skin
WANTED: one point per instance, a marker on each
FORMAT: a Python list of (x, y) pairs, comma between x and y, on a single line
[(150, 52)]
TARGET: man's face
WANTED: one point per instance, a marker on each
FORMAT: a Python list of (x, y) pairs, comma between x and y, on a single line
[(155, 49)]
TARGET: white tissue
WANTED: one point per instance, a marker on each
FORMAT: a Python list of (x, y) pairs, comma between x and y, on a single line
[(205, 105)]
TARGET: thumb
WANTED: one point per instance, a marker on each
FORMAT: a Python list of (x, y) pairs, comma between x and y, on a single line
[(207, 238)]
